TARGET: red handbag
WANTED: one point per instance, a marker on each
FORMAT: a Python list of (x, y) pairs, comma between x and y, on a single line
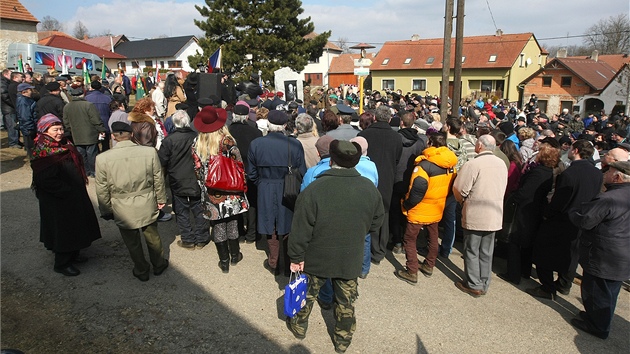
[(226, 174)]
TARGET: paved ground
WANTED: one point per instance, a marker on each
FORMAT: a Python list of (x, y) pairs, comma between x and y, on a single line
[(194, 308)]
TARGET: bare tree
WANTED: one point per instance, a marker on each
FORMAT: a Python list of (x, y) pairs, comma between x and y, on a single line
[(105, 33), (50, 24), (80, 31), (609, 36), (342, 42)]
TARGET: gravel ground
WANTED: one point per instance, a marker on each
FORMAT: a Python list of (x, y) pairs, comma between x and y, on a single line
[(194, 308)]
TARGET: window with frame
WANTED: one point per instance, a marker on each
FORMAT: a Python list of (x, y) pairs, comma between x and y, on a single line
[(148, 63), (546, 81), (162, 63), (122, 65), (566, 104), (430, 60), (407, 61), (463, 59), (542, 104), (419, 85), (492, 58), (134, 65), (174, 63), (388, 84), (486, 85), (521, 60), (385, 61), (566, 81)]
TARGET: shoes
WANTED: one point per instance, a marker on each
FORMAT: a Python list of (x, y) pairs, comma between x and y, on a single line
[(225, 266), (201, 245), (540, 293), (273, 271), (187, 245), (142, 277), (425, 269), (324, 305), (160, 270), (295, 333), (339, 350), (375, 262), (69, 271), (443, 255), (472, 292), (561, 290), (80, 259), (249, 242), (582, 315), (236, 259), (165, 217), (235, 251), (586, 327), (398, 249), (363, 275), (404, 275), (506, 277)]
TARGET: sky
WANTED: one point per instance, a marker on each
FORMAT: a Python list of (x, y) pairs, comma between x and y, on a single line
[(554, 23)]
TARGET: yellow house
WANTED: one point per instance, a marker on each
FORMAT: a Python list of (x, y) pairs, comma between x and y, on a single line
[(492, 66)]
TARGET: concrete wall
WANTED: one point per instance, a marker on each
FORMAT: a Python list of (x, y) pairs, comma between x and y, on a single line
[(15, 32)]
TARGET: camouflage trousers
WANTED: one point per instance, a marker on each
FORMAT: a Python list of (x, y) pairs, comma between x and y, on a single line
[(345, 323)]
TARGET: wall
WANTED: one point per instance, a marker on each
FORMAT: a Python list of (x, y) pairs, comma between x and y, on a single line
[(338, 79), (521, 71), (322, 66), (189, 49), (15, 32), (555, 94)]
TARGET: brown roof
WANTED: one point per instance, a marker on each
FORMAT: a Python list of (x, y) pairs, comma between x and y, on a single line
[(329, 45), (616, 61), (477, 52), (14, 10), (45, 34), (596, 74), (67, 42), (104, 42), (344, 64)]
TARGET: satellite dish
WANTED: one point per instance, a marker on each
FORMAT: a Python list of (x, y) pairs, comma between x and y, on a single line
[(528, 61)]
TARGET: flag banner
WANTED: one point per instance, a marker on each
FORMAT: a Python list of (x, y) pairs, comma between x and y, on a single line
[(214, 62), (139, 86), (20, 64), (64, 63), (103, 71), (157, 73), (86, 73)]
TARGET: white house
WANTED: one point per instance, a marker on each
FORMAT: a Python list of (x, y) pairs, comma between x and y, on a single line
[(316, 72), (17, 25), (164, 53), (614, 96)]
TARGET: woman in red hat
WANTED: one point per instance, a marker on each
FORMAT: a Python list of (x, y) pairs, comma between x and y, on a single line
[(221, 208)]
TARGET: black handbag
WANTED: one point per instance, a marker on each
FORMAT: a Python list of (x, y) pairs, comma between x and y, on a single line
[(292, 183)]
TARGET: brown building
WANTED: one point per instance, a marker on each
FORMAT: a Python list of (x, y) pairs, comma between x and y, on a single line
[(341, 69)]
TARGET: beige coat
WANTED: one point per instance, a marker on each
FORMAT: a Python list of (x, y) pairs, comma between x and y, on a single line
[(480, 186), (130, 184), (178, 97)]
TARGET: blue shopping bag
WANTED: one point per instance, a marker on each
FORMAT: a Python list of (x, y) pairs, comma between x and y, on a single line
[(295, 294)]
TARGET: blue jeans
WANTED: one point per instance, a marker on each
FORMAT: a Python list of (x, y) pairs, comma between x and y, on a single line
[(10, 123), (89, 153), (448, 222), (326, 293), (183, 207)]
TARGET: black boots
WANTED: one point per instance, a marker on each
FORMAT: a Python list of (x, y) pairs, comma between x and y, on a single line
[(235, 251), (226, 249), (224, 256)]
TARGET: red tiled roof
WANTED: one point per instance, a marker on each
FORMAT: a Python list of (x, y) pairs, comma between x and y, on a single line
[(477, 51), (596, 74), (104, 42), (45, 34), (616, 61), (344, 64), (66, 42), (329, 45), (14, 10)]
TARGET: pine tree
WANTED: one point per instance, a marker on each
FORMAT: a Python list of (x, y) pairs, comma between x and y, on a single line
[(268, 29)]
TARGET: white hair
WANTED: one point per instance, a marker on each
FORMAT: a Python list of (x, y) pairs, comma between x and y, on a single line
[(238, 118), (181, 119), (487, 142), (275, 127)]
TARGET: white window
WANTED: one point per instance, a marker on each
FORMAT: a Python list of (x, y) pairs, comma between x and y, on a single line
[(430, 60), (388, 84), (521, 61), (419, 85), (463, 59), (408, 60), (493, 58), (385, 61)]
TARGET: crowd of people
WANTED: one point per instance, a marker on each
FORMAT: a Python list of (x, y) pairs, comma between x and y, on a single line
[(555, 190)]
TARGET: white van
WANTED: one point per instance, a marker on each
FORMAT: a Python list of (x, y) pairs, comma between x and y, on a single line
[(41, 58)]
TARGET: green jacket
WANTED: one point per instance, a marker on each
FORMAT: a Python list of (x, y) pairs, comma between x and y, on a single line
[(82, 119), (130, 184), (332, 216)]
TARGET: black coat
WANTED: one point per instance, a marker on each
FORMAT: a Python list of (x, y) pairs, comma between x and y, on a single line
[(605, 240), (176, 157), (50, 103), (531, 197), (384, 149), (578, 184), (68, 220), (7, 106), (244, 133)]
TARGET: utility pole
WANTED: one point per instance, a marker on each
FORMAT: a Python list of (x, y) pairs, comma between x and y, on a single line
[(459, 47), (446, 58)]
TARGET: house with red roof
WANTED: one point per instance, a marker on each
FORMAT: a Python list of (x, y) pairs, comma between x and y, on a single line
[(316, 71), (492, 66), (17, 25), (107, 42), (581, 84), (341, 70)]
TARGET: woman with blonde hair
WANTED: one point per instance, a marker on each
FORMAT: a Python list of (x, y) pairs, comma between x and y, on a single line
[(221, 208)]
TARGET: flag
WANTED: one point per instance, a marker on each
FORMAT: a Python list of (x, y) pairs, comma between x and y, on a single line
[(86, 73), (157, 73), (64, 63), (20, 65), (139, 86), (214, 62), (103, 71), (260, 82)]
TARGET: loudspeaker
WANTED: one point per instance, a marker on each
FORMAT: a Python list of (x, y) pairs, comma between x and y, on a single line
[(209, 84)]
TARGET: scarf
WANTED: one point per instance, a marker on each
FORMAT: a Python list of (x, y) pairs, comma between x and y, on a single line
[(48, 152)]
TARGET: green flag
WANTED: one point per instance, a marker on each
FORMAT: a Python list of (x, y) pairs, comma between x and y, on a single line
[(103, 70)]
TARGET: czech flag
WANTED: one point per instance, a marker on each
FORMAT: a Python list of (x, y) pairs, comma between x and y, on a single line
[(214, 62)]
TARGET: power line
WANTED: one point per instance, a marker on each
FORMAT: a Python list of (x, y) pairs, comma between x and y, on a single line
[(492, 16)]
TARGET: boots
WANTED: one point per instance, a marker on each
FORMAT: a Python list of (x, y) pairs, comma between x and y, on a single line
[(224, 256), (235, 251)]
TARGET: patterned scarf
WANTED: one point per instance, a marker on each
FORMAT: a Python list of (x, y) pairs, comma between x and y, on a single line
[(47, 152)]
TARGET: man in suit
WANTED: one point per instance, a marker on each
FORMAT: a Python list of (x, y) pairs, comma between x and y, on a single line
[(129, 181)]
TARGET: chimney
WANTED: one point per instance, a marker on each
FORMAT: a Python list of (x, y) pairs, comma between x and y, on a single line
[(562, 53), (85, 37), (499, 33), (415, 37), (595, 55)]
